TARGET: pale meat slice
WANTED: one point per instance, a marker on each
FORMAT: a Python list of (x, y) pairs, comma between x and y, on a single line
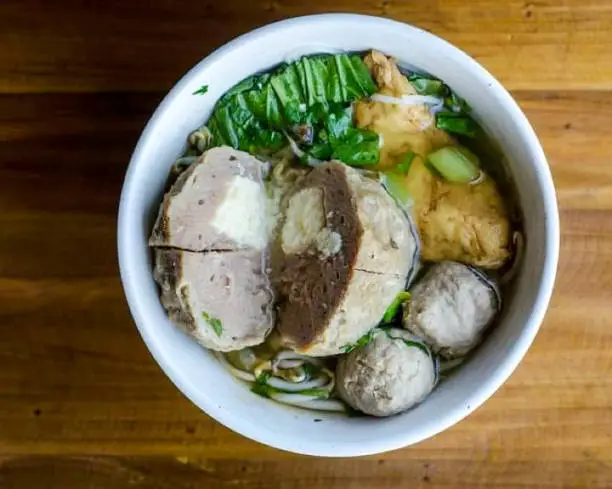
[(218, 203), (222, 299), (340, 262)]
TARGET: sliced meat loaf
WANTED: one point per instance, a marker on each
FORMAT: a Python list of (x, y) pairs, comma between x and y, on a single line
[(218, 203), (345, 250), (222, 299)]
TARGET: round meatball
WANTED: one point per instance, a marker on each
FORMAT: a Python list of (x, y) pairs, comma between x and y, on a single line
[(451, 306), (390, 374)]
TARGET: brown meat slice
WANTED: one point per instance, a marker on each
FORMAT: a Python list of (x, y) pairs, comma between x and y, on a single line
[(218, 203), (222, 299), (345, 250)]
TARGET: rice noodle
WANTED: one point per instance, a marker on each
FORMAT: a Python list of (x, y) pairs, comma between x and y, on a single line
[(293, 399), (240, 374), (291, 355), (318, 382), (324, 405), (285, 364)]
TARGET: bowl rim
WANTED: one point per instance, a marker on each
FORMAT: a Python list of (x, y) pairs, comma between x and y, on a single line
[(481, 393)]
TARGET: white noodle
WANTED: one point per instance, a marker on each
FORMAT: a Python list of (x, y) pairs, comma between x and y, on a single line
[(324, 405), (291, 355), (293, 399), (285, 364), (299, 386), (240, 374)]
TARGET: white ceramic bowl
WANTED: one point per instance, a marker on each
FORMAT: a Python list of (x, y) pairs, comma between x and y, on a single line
[(198, 375)]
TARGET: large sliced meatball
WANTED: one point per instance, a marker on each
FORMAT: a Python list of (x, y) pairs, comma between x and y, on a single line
[(387, 376), (223, 300), (218, 203), (345, 250), (450, 308)]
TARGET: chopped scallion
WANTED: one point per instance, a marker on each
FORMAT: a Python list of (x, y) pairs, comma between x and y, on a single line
[(455, 163), (215, 323), (393, 309)]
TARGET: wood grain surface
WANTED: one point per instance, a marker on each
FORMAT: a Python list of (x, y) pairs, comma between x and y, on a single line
[(83, 405)]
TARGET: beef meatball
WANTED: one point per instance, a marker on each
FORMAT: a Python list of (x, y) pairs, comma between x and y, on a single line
[(390, 374), (451, 307)]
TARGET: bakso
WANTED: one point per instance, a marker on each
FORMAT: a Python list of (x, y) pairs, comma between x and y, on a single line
[(390, 374), (451, 307)]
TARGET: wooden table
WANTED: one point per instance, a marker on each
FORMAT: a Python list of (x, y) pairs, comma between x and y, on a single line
[(82, 404)]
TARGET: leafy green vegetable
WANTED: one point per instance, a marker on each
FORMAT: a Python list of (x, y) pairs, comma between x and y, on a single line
[(338, 122), (361, 342), (404, 165), (201, 91), (215, 323), (427, 86), (408, 342), (310, 370), (455, 163), (320, 393), (455, 118), (263, 389), (287, 87), (395, 186), (393, 309), (456, 104), (359, 147), (314, 92), (394, 181), (456, 123), (416, 344)]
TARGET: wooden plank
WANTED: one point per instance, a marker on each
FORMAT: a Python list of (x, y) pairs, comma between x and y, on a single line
[(145, 46), (75, 378), (183, 473)]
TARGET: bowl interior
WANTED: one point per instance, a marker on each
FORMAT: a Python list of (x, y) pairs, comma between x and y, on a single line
[(195, 371)]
